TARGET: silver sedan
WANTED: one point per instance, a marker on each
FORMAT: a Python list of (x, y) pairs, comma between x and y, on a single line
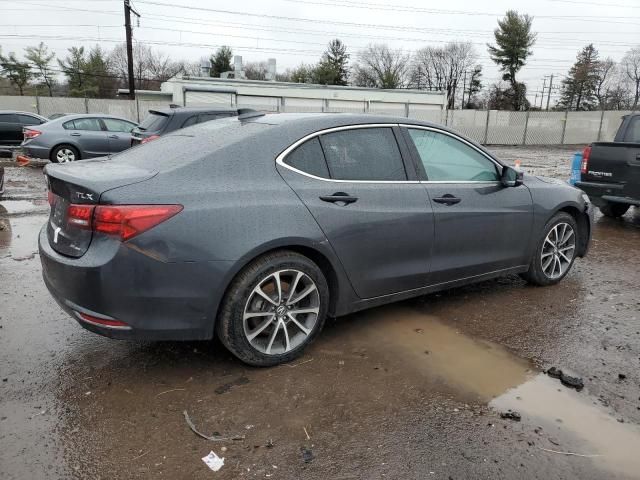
[(77, 137)]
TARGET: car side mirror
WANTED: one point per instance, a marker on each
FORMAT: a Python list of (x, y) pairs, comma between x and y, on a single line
[(511, 177)]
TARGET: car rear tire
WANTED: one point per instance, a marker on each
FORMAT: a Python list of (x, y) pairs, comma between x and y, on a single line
[(64, 154), (555, 252), (274, 308), (614, 210)]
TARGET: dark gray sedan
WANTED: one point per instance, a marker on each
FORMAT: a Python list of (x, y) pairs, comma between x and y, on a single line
[(257, 228), (77, 137)]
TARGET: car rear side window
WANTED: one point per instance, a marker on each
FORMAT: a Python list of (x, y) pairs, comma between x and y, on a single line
[(116, 125), (363, 154), (29, 120), (633, 132), (309, 158), (87, 124), (447, 159)]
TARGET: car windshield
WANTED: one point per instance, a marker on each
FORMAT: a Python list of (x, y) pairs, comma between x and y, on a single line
[(154, 122)]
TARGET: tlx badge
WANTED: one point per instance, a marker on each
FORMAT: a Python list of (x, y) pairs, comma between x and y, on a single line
[(84, 196)]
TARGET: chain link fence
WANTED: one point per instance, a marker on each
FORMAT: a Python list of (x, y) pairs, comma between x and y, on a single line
[(484, 126)]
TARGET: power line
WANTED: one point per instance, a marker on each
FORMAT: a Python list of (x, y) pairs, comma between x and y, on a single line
[(616, 5), (334, 22)]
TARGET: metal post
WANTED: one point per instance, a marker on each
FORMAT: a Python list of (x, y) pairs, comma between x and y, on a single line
[(544, 86), (37, 103), (367, 106), (600, 127), (281, 106), (564, 126), (324, 104), (406, 109), (86, 105), (486, 128), (137, 110), (526, 126)]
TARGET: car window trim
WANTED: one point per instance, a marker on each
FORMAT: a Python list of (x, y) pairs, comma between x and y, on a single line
[(418, 161), (281, 157)]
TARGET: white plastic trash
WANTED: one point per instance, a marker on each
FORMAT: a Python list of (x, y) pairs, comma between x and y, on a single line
[(213, 461)]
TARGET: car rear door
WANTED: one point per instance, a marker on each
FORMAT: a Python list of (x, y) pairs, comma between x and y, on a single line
[(10, 129), (375, 214), (90, 134), (118, 133), (480, 225)]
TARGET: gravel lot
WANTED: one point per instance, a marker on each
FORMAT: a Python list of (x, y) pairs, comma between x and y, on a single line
[(413, 390)]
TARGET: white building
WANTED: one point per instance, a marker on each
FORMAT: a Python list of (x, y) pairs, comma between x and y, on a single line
[(295, 97)]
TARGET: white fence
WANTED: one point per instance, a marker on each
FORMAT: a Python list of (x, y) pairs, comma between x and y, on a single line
[(487, 127)]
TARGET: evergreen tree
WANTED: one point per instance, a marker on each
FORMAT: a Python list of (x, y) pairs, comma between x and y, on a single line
[(73, 67), (580, 87), (333, 66), (221, 61), (514, 40)]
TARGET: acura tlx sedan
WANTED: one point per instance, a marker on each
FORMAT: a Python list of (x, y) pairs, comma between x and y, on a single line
[(256, 228)]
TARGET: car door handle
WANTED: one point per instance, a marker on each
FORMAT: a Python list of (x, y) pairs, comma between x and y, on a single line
[(114, 136), (339, 197), (76, 134), (447, 199)]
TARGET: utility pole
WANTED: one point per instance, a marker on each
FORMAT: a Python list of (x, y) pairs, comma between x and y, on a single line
[(549, 96), (544, 85), (127, 27)]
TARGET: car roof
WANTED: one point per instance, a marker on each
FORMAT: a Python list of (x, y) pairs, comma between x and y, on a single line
[(318, 121), (18, 112), (191, 110), (73, 116)]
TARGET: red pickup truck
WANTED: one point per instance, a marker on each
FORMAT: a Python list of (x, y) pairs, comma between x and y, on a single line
[(610, 171)]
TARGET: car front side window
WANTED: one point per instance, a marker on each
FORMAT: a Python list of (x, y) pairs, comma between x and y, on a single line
[(447, 159), (367, 154)]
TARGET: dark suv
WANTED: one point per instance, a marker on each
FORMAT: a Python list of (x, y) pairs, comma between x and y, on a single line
[(11, 124), (161, 122)]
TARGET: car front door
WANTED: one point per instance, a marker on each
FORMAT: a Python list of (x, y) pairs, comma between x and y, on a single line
[(480, 225), (118, 133), (367, 200), (89, 134)]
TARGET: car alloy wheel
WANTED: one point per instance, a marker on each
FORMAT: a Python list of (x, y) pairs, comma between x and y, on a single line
[(281, 312), (558, 250), (65, 155)]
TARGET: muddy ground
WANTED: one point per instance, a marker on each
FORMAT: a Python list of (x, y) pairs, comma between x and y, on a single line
[(409, 391)]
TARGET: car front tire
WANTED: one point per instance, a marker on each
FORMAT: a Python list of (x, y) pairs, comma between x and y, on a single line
[(275, 307), (555, 251), (614, 210)]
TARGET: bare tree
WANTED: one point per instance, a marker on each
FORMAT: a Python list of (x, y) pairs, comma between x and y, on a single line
[(631, 66), (381, 67), (150, 68), (605, 75), (255, 70), (443, 68)]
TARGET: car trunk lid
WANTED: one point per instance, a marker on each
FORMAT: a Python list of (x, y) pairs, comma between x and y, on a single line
[(78, 184)]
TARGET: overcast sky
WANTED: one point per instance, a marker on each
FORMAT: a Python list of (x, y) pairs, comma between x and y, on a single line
[(295, 31)]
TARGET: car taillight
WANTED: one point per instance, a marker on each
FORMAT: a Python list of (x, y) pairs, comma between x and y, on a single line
[(51, 197), (586, 153), (30, 133), (148, 139), (123, 221), (103, 322), (80, 216), (127, 221)]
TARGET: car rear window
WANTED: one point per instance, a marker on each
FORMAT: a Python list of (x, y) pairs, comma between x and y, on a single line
[(183, 147), (154, 122)]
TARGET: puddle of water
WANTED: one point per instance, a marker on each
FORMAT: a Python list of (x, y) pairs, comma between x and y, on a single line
[(19, 235), (481, 368), (542, 399), (494, 375)]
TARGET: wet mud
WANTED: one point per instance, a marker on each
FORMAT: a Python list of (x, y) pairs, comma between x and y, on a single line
[(413, 390)]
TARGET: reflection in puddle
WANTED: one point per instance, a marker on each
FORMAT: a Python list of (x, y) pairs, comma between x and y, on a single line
[(494, 375), (19, 207), (483, 369), (616, 445)]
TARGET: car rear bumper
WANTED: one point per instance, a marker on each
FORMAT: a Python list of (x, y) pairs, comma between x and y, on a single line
[(157, 300), (597, 190), (35, 151)]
